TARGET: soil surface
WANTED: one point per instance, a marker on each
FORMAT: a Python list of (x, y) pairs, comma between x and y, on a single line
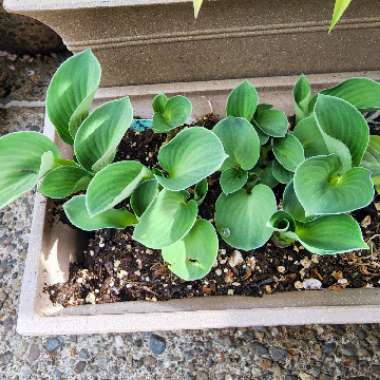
[(115, 268)]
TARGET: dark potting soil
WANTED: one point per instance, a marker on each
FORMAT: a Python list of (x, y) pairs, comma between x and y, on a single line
[(115, 268)]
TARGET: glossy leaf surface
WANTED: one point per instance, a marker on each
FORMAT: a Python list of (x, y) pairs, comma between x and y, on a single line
[(193, 257), (76, 212)]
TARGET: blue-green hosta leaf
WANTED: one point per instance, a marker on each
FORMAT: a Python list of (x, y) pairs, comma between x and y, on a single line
[(99, 135), (193, 154), (288, 152), (242, 101), (64, 181), (281, 221), (167, 219), (113, 184), (242, 218), (192, 257), (280, 173), (232, 180), (265, 176), (240, 140), (271, 121), (363, 93), (316, 142), (323, 189), (264, 138), (143, 196), (291, 204), (76, 211), (176, 111), (342, 121), (71, 92), (371, 160), (200, 191), (339, 8), (331, 235), (308, 132), (302, 95), (21, 154)]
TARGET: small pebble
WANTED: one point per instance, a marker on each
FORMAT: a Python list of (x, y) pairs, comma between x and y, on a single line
[(312, 283), (157, 344), (236, 259), (298, 285), (52, 345), (91, 298)]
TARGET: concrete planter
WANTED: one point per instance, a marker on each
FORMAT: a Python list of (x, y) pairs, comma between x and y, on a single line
[(52, 247), (157, 41)]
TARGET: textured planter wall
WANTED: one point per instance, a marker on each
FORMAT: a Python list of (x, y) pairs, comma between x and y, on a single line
[(155, 41), (19, 34)]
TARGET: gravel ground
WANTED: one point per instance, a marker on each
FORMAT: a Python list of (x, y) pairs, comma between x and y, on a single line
[(290, 353)]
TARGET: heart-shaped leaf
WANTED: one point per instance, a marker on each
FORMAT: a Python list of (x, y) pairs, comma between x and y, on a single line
[(167, 219), (371, 160), (76, 211), (242, 101), (193, 257), (330, 235), (280, 173), (302, 95), (363, 93), (323, 189), (20, 162), (242, 218), (240, 140), (291, 204), (342, 121), (143, 196), (170, 113), (271, 121), (288, 152), (193, 154), (339, 8), (64, 181), (233, 180), (71, 92), (113, 184), (99, 135)]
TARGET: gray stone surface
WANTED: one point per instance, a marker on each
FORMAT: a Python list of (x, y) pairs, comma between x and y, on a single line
[(20, 34), (291, 353)]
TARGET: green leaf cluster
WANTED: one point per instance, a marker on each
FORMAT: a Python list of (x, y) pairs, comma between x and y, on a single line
[(327, 163)]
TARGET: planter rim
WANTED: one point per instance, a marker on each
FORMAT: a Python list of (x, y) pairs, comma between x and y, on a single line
[(289, 308), (51, 5)]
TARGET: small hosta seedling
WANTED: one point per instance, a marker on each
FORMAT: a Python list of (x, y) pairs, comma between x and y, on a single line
[(327, 165)]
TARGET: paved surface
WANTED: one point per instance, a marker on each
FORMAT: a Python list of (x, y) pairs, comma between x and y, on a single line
[(290, 353)]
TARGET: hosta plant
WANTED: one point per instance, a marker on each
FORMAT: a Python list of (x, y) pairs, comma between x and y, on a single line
[(325, 167)]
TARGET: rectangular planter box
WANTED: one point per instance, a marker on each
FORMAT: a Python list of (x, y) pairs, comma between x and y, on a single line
[(52, 247), (157, 41)]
